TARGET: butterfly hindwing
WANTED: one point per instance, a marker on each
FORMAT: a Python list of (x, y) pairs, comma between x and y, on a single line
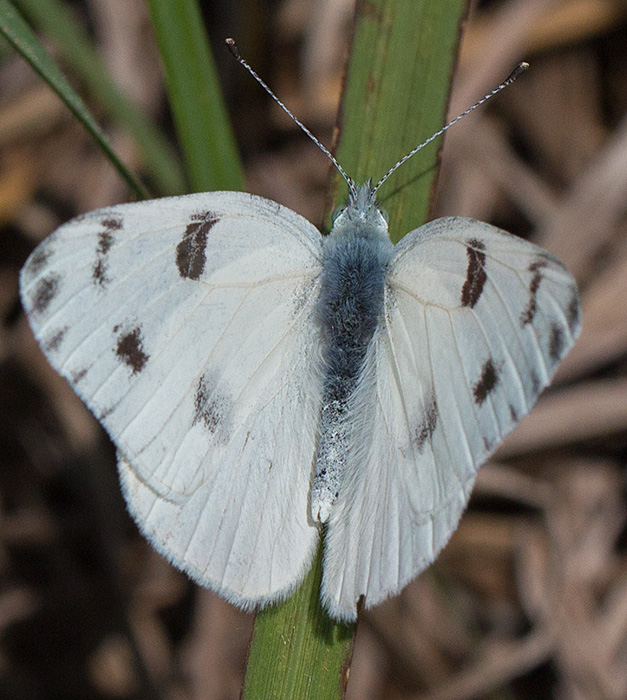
[(186, 325), (474, 325)]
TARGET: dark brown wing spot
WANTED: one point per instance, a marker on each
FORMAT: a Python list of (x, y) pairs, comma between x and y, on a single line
[(529, 311), (53, 342), (106, 239), (210, 406), (45, 292), (113, 223), (191, 250), (536, 384), (105, 413), (78, 376), (130, 349), (557, 342), (427, 425), (99, 273), (475, 273), (39, 258), (513, 414), (487, 382)]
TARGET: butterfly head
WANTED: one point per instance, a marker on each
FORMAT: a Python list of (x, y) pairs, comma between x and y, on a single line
[(361, 213)]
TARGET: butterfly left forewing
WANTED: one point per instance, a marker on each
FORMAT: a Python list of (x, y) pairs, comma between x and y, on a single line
[(186, 325), (475, 323)]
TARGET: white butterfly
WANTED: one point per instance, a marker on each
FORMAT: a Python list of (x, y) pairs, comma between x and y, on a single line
[(259, 379)]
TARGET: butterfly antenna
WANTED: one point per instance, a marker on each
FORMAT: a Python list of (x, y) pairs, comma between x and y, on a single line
[(516, 73), (235, 51)]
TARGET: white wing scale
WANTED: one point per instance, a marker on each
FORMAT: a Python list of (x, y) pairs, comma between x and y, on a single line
[(476, 321), (203, 364)]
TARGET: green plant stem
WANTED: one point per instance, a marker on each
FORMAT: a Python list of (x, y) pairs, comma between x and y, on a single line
[(396, 95)]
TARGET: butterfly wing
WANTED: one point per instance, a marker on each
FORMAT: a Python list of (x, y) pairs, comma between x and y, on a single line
[(475, 322), (186, 326)]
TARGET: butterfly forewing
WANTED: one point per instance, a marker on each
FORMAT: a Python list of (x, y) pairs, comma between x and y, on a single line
[(475, 323), (186, 324)]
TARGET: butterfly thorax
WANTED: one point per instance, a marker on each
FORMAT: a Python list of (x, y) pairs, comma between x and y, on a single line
[(355, 257)]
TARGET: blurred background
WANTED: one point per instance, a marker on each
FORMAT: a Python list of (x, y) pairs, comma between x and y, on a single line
[(529, 599)]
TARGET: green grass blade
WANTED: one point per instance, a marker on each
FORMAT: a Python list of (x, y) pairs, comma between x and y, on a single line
[(200, 116), (24, 40), (296, 650), (54, 19), (396, 95)]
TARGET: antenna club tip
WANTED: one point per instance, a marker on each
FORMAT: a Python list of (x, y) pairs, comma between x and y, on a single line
[(232, 46), (517, 72)]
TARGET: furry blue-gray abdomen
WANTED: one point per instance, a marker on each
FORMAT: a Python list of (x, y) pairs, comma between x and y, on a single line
[(351, 300), (349, 309)]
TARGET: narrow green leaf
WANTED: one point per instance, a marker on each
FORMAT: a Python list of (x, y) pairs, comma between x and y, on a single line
[(55, 20), (23, 39), (200, 116), (396, 95), (297, 651)]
